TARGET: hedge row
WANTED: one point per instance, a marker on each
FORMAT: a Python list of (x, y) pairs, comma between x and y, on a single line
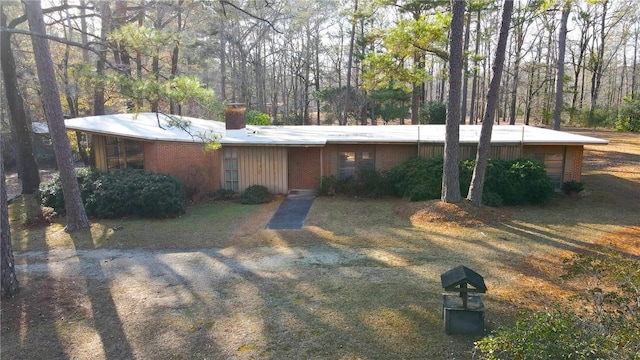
[(122, 193), (517, 182)]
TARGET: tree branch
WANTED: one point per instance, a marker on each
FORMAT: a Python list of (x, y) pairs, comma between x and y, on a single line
[(62, 41), (225, 2), (19, 20)]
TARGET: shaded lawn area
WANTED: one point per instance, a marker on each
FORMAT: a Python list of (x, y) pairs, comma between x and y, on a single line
[(361, 280), (204, 225)]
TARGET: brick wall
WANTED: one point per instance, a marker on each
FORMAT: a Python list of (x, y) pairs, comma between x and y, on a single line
[(388, 156), (304, 167), (198, 169), (573, 163), (572, 158)]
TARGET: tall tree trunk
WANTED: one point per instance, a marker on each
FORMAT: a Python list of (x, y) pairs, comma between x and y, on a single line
[(634, 75), (416, 92), (155, 61), (578, 65), (549, 74), (474, 83), (121, 54), (71, 96), (8, 276), (599, 64), (623, 79), (307, 75), (26, 163), (174, 106), (451, 171), (519, 43), (562, 45), (465, 71), (317, 71), (347, 96), (27, 167), (76, 215), (223, 65), (484, 145), (98, 93)]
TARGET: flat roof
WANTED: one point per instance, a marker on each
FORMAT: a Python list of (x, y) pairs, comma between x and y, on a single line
[(161, 127)]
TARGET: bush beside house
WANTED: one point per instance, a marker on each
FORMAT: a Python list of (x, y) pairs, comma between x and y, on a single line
[(121, 193), (517, 182)]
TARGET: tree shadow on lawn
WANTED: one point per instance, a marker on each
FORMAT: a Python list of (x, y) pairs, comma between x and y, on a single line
[(363, 307), (376, 297), (534, 265), (106, 320), (606, 200), (30, 319)]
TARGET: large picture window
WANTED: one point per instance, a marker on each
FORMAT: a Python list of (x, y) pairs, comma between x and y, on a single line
[(123, 154), (351, 162), (231, 169)]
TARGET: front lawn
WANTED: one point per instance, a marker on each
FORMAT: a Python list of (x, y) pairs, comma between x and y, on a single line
[(361, 280)]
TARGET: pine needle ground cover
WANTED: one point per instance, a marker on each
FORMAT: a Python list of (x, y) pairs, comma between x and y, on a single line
[(361, 280)]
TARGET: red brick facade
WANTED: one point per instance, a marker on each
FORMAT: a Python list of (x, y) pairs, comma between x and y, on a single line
[(304, 167), (573, 163), (198, 169), (201, 171)]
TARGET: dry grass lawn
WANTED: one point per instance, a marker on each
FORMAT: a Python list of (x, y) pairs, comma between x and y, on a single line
[(360, 281)]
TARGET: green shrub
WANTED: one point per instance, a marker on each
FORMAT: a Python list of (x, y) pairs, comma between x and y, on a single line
[(255, 117), (328, 185), (530, 183), (629, 116), (490, 198), (51, 194), (255, 194), (368, 184), (607, 326), (418, 178), (599, 117), (572, 186), (547, 335), (51, 191), (136, 192), (517, 182), (225, 194), (160, 196), (372, 184), (433, 112)]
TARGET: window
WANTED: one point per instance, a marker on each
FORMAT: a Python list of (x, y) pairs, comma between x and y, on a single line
[(350, 162), (123, 154), (231, 169)]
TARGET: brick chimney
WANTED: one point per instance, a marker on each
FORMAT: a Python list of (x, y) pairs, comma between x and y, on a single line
[(235, 120)]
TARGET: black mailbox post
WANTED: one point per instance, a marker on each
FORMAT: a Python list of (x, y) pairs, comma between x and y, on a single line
[(463, 312)]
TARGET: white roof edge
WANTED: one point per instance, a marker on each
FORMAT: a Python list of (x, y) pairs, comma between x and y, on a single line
[(144, 126)]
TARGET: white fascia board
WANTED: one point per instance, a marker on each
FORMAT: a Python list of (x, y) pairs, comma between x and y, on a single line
[(145, 126)]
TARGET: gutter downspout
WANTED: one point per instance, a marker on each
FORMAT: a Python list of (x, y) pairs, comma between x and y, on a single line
[(522, 142), (418, 140), (321, 165)]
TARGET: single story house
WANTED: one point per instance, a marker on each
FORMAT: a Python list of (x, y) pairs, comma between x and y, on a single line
[(285, 158)]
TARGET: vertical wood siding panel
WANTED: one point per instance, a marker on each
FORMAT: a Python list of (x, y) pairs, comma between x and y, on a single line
[(100, 149), (262, 166)]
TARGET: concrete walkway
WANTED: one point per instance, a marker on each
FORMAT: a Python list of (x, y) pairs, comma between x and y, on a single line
[(293, 211)]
